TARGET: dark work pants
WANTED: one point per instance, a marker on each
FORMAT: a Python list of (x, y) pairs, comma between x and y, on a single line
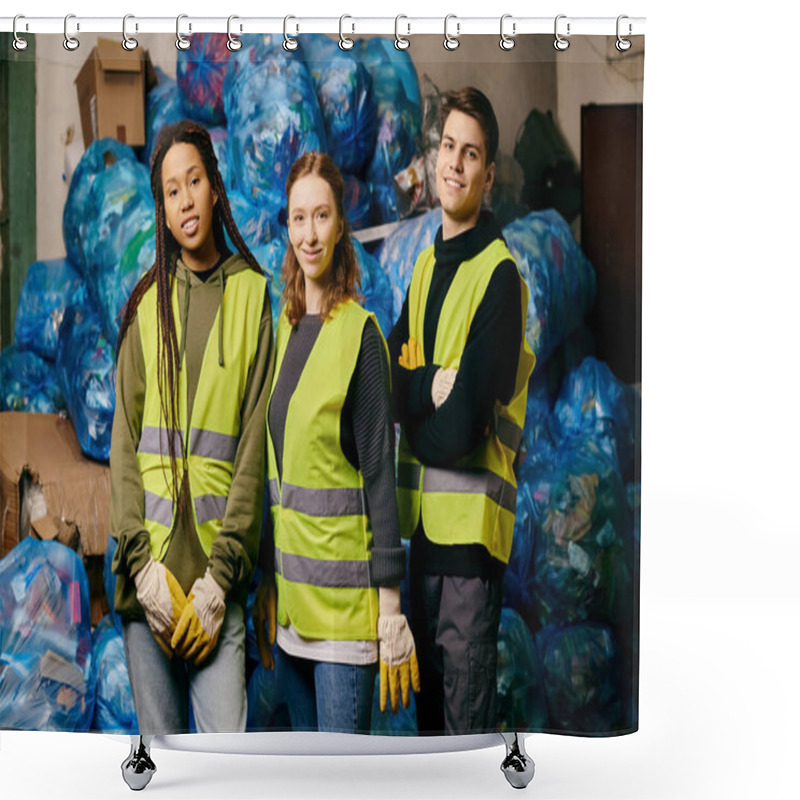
[(455, 621)]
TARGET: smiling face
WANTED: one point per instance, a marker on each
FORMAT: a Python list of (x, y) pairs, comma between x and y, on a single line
[(314, 228), (462, 176), (189, 205)]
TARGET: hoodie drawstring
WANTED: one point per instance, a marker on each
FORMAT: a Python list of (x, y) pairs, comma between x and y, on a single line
[(221, 319), (184, 319)]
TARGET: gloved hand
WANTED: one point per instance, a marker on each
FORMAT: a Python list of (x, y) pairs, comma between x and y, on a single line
[(264, 612), (442, 385), (162, 600), (411, 355), (399, 670), (198, 628)]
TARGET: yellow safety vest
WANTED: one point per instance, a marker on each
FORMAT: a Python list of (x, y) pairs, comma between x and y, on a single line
[(323, 538), (211, 437), (474, 503)]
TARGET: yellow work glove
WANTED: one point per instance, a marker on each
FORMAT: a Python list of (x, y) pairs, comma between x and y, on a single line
[(264, 613), (399, 671), (162, 600), (411, 355), (198, 628)]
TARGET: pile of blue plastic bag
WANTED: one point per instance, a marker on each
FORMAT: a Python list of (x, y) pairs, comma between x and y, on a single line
[(28, 383), (201, 72)]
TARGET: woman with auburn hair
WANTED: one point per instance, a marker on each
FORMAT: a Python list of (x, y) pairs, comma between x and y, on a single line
[(338, 560), (187, 458)]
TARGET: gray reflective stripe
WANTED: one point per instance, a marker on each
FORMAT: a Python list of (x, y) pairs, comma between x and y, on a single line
[(210, 506), (322, 502), (508, 433), (322, 573), (153, 438), (473, 482), (158, 509), (210, 444), (274, 494), (408, 476)]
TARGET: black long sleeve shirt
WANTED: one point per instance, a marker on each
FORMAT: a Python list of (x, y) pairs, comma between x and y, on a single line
[(487, 373)]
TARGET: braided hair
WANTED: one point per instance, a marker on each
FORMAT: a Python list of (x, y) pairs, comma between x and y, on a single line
[(162, 273)]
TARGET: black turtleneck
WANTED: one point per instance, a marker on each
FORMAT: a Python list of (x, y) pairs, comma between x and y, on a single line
[(486, 373)]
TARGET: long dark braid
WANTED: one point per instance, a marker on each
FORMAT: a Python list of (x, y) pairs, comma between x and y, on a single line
[(162, 273)]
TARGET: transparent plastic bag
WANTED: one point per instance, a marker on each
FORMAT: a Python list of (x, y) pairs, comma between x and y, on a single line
[(29, 383), (114, 711)]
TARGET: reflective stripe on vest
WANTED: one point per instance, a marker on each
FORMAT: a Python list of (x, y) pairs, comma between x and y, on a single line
[(475, 502), (323, 540), (211, 437)]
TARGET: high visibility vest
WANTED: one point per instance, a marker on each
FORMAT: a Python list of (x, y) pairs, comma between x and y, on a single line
[(211, 437), (323, 537), (475, 502)]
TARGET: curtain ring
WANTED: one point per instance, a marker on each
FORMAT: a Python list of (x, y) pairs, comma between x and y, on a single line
[(507, 42), (560, 43), (400, 42), (289, 44), (19, 43), (622, 44), (451, 42), (181, 42), (71, 43), (345, 43), (234, 44), (128, 42)]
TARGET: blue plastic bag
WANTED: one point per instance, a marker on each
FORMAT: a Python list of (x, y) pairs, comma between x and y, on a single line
[(357, 202), (200, 74), (344, 91), (29, 383), (114, 711), (120, 245), (49, 287), (582, 551), (561, 281), (110, 582), (399, 251), (257, 224), (163, 106), (381, 57), (270, 258), (582, 678), (100, 154), (266, 705), (375, 288), (45, 639), (521, 702), (594, 402), (219, 141), (87, 374), (273, 118), (403, 723)]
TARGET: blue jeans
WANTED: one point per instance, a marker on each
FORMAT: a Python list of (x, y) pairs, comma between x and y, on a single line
[(335, 698)]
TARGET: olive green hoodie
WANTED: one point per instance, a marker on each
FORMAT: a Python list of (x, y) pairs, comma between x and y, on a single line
[(234, 552)]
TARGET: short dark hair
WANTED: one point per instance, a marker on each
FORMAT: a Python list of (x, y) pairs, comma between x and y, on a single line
[(474, 103)]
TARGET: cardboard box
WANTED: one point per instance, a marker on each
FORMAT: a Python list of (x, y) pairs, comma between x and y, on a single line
[(44, 448), (111, 88)]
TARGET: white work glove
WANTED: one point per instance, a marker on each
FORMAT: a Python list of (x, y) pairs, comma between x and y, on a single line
[(399, 670), (198, 628), (442, 385), (162, 600)]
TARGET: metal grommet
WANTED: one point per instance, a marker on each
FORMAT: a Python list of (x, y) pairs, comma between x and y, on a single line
[(560, 43), (19, 43), (181, 42), (507, 42), (400, 42), (288, 43), (234, 44), (71, 43), (345, 43), (451, 42), (128, 42), (623, 44)]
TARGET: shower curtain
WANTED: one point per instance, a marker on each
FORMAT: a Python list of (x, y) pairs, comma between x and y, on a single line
[(79, 231)]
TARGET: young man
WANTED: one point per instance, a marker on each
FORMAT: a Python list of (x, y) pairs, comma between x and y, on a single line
[(460, 369)]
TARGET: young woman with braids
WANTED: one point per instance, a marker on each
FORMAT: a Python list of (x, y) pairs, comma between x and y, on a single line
[(338, 560), (187, 450)]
